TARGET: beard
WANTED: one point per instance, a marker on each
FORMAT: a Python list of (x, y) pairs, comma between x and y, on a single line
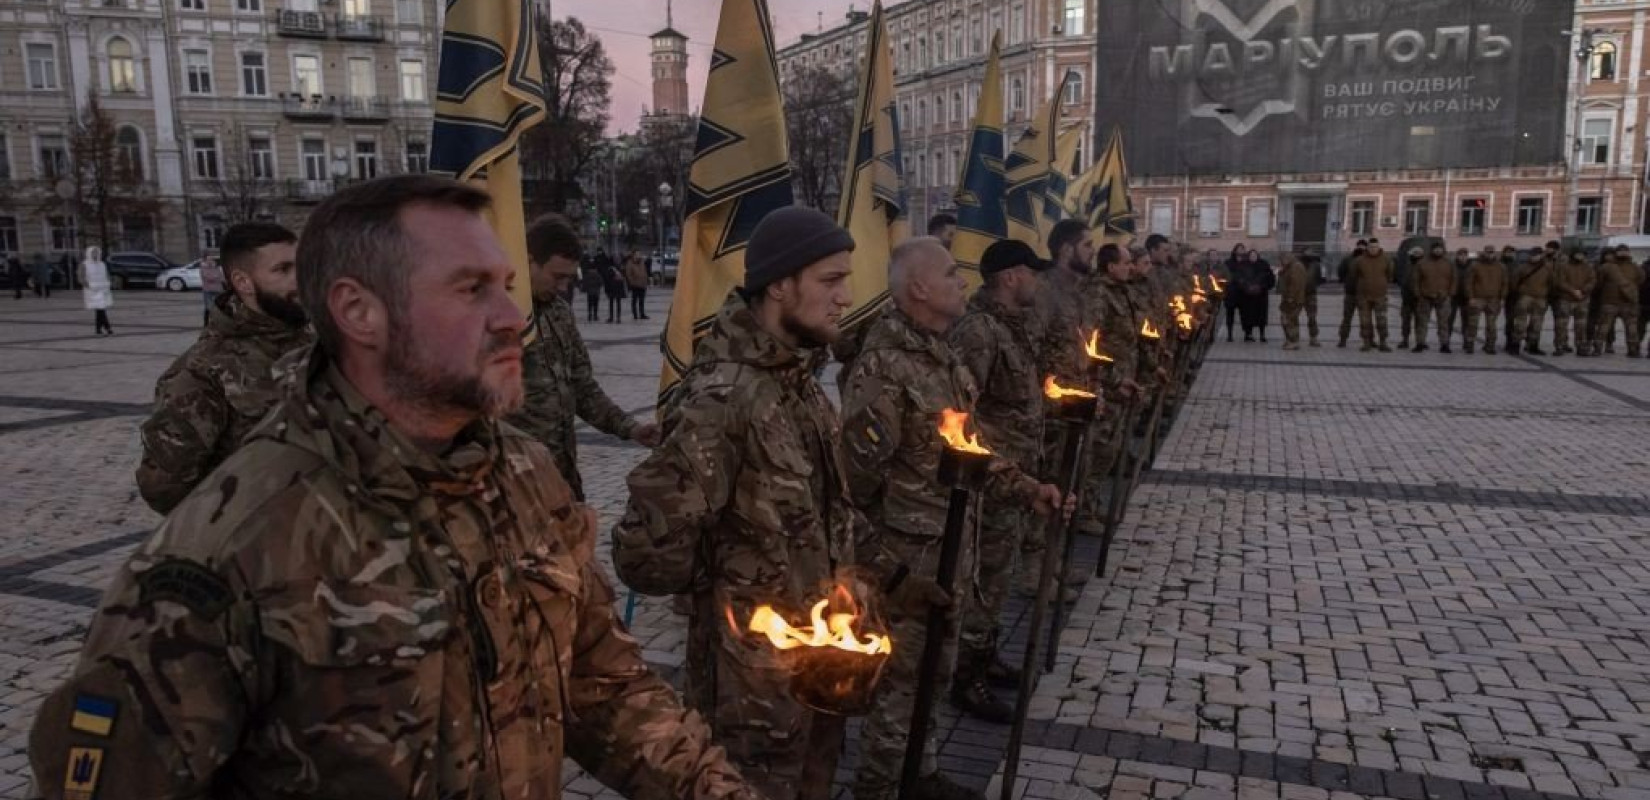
[(446, 390), (807, 337), (285, 308)]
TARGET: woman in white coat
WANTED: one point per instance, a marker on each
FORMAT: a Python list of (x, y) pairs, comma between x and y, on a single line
[(94, 278)]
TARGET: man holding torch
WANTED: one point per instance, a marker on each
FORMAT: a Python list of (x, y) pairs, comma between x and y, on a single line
[(904, 378)]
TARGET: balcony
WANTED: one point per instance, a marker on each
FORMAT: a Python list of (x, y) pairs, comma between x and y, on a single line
[(359, 28), (299, 190), (314, 108), (301, 24), (366, 109)]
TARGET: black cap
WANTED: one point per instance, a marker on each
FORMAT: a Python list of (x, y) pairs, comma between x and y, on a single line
[(1006, 254), (789, 240)]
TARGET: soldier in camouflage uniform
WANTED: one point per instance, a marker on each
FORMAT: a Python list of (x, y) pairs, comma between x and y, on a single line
[(994, 341), (1114, 305), (745, 503), (1486, 293), (1056, 310), (1619, 282), (214, 393), (1532, 292), (903, 379), (561, 384), (384, 593), (1432, 282), (1572, 287)]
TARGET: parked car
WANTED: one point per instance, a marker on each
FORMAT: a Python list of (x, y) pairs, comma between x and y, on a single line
[(178, 279), (135, 269), (664, 267)]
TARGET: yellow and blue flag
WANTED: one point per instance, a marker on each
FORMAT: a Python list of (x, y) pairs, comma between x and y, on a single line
[(1106, 202), (489, 89), (980, 217), (1027, 171), (873, 208), (741, 171), (1061, 178)]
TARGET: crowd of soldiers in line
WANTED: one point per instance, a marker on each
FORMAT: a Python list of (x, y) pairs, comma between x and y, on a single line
[(369, 584), (1587, 300)]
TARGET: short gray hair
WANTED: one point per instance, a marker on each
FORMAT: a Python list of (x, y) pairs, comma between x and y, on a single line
[(356, 233), (904, 258)]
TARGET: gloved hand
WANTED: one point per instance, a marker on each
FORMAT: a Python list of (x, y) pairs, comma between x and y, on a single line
[(913, 595)]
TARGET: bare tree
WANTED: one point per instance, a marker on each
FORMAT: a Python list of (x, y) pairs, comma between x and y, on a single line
[(247, 190), (818, 113), (661, 154), (577, 79), (105, 176)]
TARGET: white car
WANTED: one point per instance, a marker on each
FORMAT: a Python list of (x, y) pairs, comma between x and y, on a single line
[(178, 279)]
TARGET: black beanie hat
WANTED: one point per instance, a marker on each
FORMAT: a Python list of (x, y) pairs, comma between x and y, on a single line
[(787, 241)]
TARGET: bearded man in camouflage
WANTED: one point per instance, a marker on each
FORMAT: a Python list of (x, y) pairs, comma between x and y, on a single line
[(384, 593)]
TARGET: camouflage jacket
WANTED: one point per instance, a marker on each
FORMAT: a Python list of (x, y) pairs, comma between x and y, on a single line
[(1054, 324), (1575, 280), (746, 496), (211, 397), (996, 345), (1116, 309), (339, 613), (562, 389), (1618, 283), (901, 382), (1486, 280)]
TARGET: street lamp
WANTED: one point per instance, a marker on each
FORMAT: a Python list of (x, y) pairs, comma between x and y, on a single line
[(645, 209), (665, 208)]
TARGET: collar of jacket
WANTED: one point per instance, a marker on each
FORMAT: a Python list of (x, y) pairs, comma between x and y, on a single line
[(325, 415), (899, 332), (985, 302), (736, 337), (231, 318)]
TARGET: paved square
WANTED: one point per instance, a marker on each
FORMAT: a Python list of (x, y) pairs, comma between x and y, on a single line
[(1350, 575)]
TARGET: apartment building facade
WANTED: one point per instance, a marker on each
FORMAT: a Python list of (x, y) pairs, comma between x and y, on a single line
[(226, 109)]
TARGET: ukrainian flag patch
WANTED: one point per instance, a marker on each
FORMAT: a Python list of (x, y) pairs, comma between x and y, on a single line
[(85, 768), (873, 432), (94, 715)]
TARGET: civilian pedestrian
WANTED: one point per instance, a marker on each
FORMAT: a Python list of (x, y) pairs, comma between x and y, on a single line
[(212, 284), (613, 281), (18, 275), (1255, 284), (94, 282), (42, 271), (590, 282), (635, 277), (1234, 269)]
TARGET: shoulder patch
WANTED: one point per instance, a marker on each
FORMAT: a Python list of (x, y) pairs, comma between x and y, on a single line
[(84, 770), (187, 583), (94, 715), (874, 432)]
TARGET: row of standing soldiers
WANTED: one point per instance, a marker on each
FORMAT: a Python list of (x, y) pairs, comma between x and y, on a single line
[(1586, 300), (762, 493)]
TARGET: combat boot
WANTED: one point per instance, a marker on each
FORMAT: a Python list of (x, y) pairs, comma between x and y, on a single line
[(1444, 348), (939, 787), (1512, 348), (1534, 350), (1489, 348), (1403, 344), (1315, 343), (974, 698), (1467, 347), (1291, 346), (1384, 348), (1342, 344), (1420, 348), (999, 674)]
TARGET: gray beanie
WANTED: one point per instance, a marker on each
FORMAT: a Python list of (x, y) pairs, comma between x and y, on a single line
[(787, 241)]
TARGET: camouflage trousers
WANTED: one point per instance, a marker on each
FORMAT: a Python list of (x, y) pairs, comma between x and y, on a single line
[(1409, 307), (1487, 311), (1574, 313), (1311, 308), (1428, 309), (785, 750), (1608, 313), (1292, 321), (1528, 313), (1002, 536), (1349, 310), (888, 727), (1455, 321), (1372, 320)]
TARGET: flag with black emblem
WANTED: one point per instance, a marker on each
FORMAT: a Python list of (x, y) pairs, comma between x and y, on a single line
[(489, 89), (979, 198), (873, 208), (1104, 196), (741, 171), (1027, 171)]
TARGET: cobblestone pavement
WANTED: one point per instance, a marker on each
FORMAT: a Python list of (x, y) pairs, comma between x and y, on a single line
[(1350, 575)]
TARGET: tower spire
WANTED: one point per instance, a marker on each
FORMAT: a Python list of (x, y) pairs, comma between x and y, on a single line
[(670, 18)]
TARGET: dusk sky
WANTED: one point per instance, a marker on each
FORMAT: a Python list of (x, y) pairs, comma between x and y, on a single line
[(624, 26)]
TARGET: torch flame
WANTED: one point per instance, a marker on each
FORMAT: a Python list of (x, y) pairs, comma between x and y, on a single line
[(1184, 320), (1220, 288), (1054, 391), (1092, 347), (1197, 283), (1148, 331), (1178, 304), (951, 430), (826, 630), (1199, 297)]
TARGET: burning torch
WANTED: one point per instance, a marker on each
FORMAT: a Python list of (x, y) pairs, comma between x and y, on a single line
[(834, 664), (963, 464)]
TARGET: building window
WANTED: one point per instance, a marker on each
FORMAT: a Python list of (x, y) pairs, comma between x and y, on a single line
[(54, 157), (129, 151), (366, 159), (260, 157), (314, 152), (1595, 140), (905, 116), (1604, 62), (956, 106), (978, 39), (939, 47), (1071, 22), (418, 156), (204, 150), (922, 169), (1532, 215), (922, 113), (922, 53), (939, 109), (1363, 217), (1017, 25), (197, 69), (1017, 95), (1417, 217), (306, 76), (361, 83), (1074, 87), (42, 62), (63, 233), (1589, 214), (122, 67), (212, 227), (192, 5), (1472, 216), (409, 12), (254, 77), (1208, 218), (5, 159), (137, 232), (250, 6), (9, 240), (1260, 219), (412, 81)]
